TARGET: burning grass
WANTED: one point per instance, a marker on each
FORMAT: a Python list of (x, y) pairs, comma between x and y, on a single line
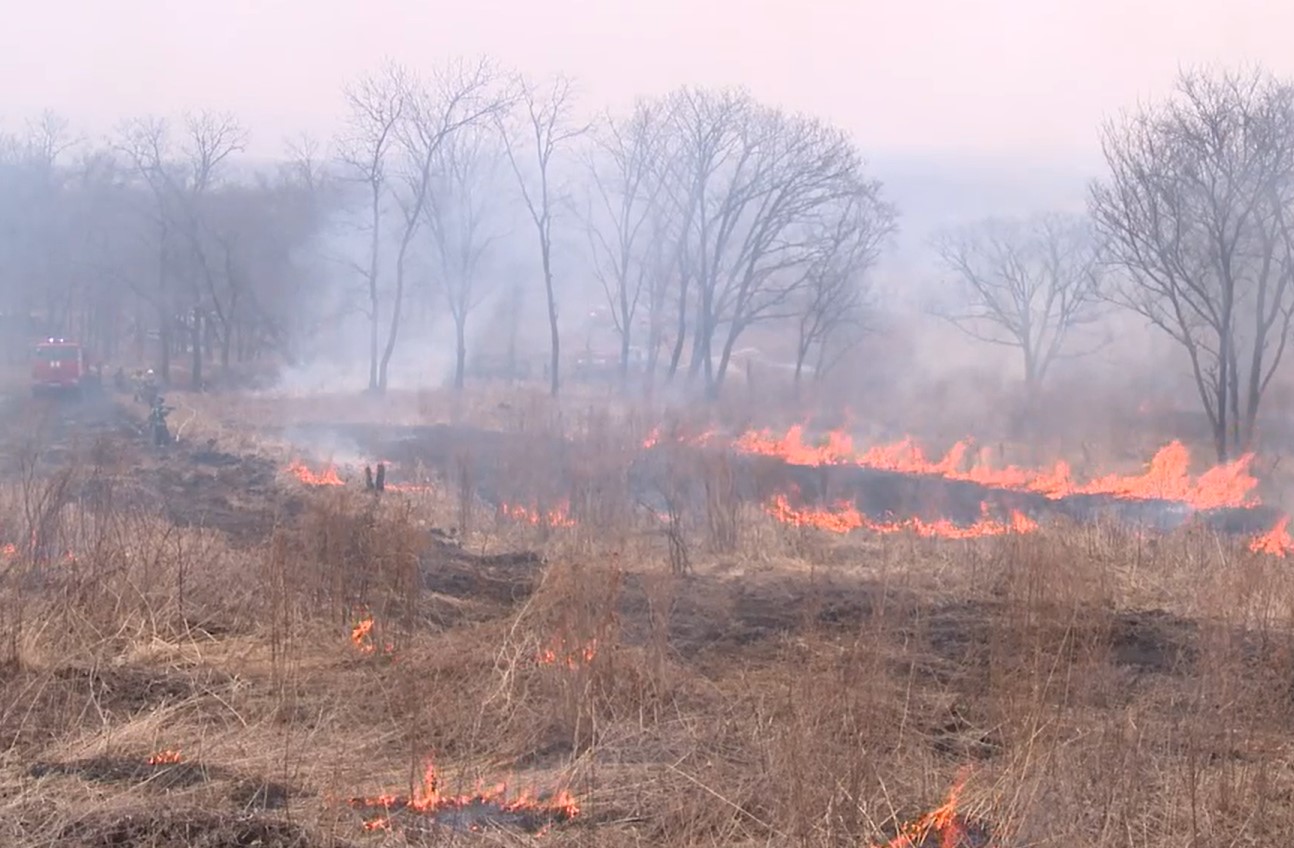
[(1015, 684), (485, 807)]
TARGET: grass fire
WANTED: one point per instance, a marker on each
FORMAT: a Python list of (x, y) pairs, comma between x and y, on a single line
[(633, 636), (491, 467)]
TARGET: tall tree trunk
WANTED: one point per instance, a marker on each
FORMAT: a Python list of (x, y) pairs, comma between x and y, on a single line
[(715, 382), (374, 246), (1222, 424), (624, 359), (197, 350), (460, 350), (555, 361), (676, 356), (396, 306), (164, 342)]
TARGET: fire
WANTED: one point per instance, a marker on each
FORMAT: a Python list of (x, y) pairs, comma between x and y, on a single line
[(361, 636), (428, 800), (327, 477), (655, 436), (556, 517), (165, 758), (558, 652), (1276, 541), (845, 518), (942, 827), (1166, 477)]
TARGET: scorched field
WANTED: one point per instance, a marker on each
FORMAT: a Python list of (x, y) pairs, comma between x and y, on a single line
[(333, 622)]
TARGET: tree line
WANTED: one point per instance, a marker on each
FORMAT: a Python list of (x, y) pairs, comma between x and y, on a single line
[(699, 215), (1190, 228)]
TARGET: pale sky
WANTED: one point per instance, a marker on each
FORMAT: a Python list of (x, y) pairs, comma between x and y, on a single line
[(1003, 77)]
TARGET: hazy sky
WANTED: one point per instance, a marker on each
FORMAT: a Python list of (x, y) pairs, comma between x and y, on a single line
[(1008, 77)]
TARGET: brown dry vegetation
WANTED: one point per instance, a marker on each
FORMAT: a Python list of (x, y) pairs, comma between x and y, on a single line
[(753, 684)]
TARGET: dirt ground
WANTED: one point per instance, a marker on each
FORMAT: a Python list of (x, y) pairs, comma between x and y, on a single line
[(197, 647)]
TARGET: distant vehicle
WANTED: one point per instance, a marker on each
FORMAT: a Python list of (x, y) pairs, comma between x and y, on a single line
[(60, 366)]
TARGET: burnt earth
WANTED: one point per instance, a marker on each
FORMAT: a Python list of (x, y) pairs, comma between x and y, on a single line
[(476, 814), (517, 467), (448, 569), (152, 826), (246, 792)]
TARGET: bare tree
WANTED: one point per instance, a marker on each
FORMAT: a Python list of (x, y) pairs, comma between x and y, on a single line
[(460, 219), (1027, 284), (547, 126), (751, 183), (305, 164), (1196, 213), (146, 144), (459, 95), (705, 143), (834, 297), (377, 105), (625, 169), (210, 139)]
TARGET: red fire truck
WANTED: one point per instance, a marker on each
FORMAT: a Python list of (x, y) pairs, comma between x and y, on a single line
[(61, 366)]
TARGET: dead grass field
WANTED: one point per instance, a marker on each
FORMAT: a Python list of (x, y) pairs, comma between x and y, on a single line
[(1091, 686)]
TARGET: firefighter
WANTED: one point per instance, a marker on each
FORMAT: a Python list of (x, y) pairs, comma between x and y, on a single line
[(157, 421), (145, 387)]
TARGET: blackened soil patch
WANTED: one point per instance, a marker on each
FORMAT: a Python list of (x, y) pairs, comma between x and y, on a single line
[(151, 827), (36, 706), (477, 814), (241, 498), (125, 770), (1153, 641), (958, 833), (449, 569), (127, 689), (246, 793)]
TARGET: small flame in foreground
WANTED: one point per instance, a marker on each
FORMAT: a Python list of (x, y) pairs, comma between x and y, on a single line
[(1275, 542), (846, 518), (559, 652), (361, 636), (165, 758), (942, 827), (428, 800), (327, 477), (555, 517), (1167, 476)]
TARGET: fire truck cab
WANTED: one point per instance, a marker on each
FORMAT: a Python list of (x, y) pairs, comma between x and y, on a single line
[(59, 366)]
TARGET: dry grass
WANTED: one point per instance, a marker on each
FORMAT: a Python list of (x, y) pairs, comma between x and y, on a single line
[(780, 687)]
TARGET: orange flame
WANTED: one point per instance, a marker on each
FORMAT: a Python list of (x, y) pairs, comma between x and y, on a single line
[(558, 652), (1275, 542), (846, 518), (427, 799), (165, 758), (1166, 477), (327, 477), (361, 636), (942, 827), (656, 436), (555, 517)]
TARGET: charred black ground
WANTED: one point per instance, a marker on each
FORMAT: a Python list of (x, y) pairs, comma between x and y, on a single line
[(524, 468)]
